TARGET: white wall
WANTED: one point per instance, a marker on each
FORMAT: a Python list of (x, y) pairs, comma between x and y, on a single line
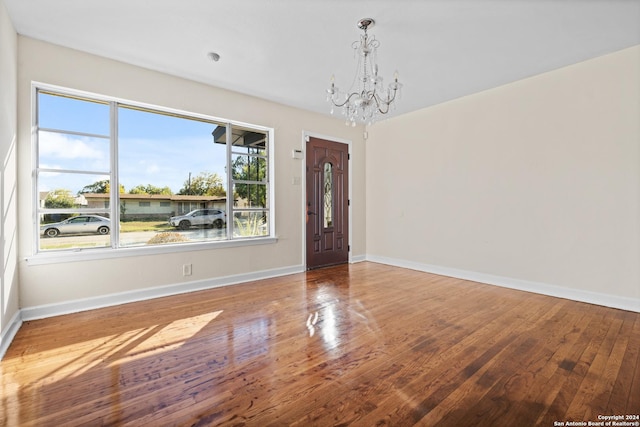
[(57, 283), (535, 182), (8, 176)]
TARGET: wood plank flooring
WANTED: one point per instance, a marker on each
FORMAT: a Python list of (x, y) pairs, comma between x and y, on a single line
[(362, 345)]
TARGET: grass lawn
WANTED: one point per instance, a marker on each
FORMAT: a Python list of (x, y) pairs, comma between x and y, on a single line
[(130, 226)]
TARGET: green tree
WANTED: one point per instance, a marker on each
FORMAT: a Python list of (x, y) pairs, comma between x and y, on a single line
[(247, 168), (150, 189), (204, 184), (103, 186), (60, 198)]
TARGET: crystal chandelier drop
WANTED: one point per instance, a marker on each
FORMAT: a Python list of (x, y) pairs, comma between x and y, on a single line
[(366, 98)]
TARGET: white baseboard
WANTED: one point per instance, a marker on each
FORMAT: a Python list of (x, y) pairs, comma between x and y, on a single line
[(67, 307), (613, 301), (9, 333), (357, 258)]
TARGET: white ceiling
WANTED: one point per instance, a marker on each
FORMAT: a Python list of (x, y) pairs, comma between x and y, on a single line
[(286, 50)]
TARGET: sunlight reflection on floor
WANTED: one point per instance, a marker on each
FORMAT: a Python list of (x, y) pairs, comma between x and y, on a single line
[(188, 327)]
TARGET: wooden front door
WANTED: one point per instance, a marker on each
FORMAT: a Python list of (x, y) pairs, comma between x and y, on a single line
[(327, 203)]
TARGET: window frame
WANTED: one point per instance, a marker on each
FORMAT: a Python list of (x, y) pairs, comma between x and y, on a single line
[(114, 250)]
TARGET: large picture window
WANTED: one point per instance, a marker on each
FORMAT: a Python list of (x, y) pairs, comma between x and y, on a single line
[(112, 174)]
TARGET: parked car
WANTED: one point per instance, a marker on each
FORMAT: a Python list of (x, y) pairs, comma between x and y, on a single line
[(77, 225), (202, 217)]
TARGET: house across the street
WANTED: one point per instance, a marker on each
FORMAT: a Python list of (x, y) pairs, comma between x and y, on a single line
[(155, 206)]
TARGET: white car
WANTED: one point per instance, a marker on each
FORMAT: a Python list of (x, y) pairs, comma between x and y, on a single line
[(201, 217), (77, 225)]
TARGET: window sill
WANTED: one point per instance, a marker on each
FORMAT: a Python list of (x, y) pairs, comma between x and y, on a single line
[(107, 253)]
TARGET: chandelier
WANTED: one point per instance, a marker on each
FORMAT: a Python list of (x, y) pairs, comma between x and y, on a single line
[(366, 98)]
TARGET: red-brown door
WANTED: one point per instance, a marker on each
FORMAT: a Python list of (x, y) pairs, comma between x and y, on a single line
[(327, 203)]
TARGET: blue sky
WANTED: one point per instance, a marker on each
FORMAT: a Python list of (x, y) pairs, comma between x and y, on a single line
[(153, 149)]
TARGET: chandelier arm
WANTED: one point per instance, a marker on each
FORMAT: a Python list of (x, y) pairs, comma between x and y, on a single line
[(385, 102), (379, 108), (346, 101)]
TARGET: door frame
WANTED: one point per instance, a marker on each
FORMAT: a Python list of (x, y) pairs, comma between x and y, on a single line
[(303, 204)]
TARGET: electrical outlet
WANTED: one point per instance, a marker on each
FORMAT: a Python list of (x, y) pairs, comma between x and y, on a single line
[(186, 270)]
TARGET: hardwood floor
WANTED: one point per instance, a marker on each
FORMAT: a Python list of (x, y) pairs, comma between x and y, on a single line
[(363, 345)]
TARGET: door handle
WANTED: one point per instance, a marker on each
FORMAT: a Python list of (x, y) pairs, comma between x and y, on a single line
[(310, 213)]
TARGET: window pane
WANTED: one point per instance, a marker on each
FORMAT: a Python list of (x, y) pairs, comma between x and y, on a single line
[(73, 114), (245, 140), (73, 152), (328, 195), (74, 185), (250, 224), (249, 196), (70, 231), (249, 168), (178, 161)]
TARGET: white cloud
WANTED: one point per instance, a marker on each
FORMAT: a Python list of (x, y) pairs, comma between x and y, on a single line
[(61, 146), (49, 166), (151, 168)]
